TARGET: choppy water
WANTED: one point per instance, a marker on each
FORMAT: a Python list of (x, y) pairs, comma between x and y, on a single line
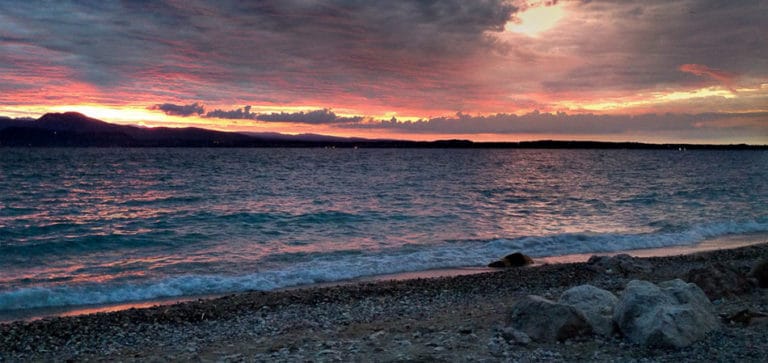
[(96, 226)]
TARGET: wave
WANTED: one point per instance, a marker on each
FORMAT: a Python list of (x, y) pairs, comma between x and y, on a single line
[(89, 243), (333, 266)]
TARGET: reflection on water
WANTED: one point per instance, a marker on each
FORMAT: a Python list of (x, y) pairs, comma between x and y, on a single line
[(139, 217)]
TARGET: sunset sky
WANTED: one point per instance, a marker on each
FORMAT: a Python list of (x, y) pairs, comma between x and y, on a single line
[(653, 71)]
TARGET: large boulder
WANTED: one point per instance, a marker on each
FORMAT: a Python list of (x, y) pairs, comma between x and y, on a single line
[(760, 273), (547, 321), (623, 264), (516, 259), (718, 280), (596, 304), (673, 314)]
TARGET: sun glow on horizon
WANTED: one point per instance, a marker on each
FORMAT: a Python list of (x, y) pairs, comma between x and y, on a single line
[(119, 114), (644, 100)]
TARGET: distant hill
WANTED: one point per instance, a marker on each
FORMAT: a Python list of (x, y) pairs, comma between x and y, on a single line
[(308, 137), (72, 129), (75, 129)]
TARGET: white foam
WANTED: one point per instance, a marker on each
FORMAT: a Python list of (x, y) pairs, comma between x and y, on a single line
[(335, 267)]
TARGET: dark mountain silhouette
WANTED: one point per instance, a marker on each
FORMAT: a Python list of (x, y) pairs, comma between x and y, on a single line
[(72, 129), (74, 122), (75, 129)]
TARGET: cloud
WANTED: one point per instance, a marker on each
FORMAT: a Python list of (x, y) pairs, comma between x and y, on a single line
[(630, 47), (324, 116), (238, 114), (316, 117), (726, 78), (748, 124), (287, 51), (179, 110), (410, 57)]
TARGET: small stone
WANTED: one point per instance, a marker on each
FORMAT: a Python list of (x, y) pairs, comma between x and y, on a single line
[(495, 348), (516, 259), (760, 273), (376, 335), (514, 336), (744, 317)]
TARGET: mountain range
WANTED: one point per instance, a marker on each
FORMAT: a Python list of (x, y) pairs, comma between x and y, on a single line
[(72, 129)]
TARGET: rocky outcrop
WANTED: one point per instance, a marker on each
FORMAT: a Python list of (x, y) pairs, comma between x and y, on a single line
[(718, 281), (623, 264), (673, 314), (547, 321), (760, 273), (596, 304), (516, 259)]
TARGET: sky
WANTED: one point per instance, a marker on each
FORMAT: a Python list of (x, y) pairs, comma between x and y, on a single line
[(485, 70)]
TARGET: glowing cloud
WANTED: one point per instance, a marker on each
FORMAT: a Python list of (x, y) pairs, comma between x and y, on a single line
[(726, 78), (536, 18)]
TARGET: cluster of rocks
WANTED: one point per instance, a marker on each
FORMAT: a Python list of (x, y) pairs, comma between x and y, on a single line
[(671, 314)]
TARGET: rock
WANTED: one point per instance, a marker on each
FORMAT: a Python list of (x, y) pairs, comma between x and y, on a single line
[(745, 317), (515, 337), (687, 293), (596, 304), (718, 281), (623, 264), (674, 314), (495, 347), (516, 259), (760, 273), (547, 321)]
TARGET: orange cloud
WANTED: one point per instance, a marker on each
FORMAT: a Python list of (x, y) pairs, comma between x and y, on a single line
[(726, 78)]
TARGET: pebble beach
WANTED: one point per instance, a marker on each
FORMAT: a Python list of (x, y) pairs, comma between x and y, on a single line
[(441, 319)]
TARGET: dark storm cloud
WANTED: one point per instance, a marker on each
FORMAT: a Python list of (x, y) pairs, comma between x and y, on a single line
[(179, 110), (324, 116), (285, 47), (102, 42)]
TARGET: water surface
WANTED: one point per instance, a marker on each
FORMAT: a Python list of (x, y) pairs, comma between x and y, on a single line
[(98, 226)]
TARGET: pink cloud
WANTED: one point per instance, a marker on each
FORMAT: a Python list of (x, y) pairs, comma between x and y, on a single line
[(726, 78)]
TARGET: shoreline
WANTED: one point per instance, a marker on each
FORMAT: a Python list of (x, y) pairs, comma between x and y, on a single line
[(718, 243), (440, 318)]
